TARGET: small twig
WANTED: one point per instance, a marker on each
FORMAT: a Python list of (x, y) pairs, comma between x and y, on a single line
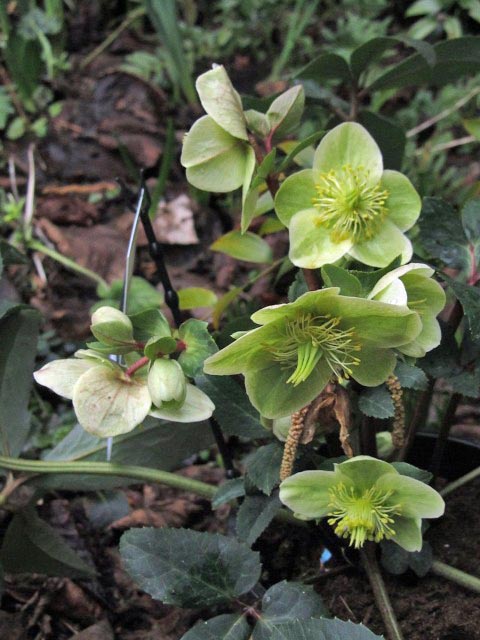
[(136, 13), (458, 142), (456, 484), (382, 599), (443, 114), (461, 578)]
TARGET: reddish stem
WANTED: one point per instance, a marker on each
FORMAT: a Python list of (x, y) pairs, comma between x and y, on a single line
[(474, 275), (136, 366)]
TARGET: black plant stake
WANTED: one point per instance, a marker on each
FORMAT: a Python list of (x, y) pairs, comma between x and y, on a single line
[(155, 250)]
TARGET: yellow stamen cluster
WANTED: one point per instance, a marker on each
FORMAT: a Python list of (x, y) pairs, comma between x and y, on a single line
[(362, 517), (308, 339), (349, 205)]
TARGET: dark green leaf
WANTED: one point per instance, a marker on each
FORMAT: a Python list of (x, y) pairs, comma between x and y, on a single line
[(337, 277), (377, 403), (254, 516), (409, 470), (469, 298), (444, 361), (148, 323), (25, 76), (199, 344), (321, 629), (228, 491), (410, 377), (471, 225), (233, 411), (287, 601), (31, 545), (18, 336), (389, 136), (369, 279), (371, 51), (157, 444), (263, 467), (454, 58), (10, 255), (396, 560), (298, 287), (225, 627), (467, 383), (442, 233), (187, 568), (328, 66), (306, 142)]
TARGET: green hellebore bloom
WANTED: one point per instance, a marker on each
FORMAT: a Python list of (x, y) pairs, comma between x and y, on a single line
[(302, 345), (347, 204), (107, 402), (216, 153), (412, 286), (364, 499)]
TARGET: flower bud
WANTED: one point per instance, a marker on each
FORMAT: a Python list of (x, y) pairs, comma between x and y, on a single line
[(111, 326), (166, 382)]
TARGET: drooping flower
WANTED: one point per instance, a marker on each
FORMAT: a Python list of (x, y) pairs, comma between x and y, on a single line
[(347, 204), (364, 499), (108, 402), (412, 286), (302, 345)]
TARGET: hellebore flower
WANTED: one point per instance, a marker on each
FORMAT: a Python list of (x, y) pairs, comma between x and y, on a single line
[(302, 345), (412, 286), (108, 402), (347, 204), (364, 499)]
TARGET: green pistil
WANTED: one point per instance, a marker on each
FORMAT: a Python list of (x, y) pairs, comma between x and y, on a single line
[(362, 517), (349, 205), (308, 339)]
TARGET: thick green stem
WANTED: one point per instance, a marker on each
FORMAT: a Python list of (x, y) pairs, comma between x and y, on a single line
[(456, 484), (455, 575), (36, 245), (380, 592), (144, 474)]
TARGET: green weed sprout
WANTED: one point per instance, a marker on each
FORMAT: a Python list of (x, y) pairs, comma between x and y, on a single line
[(364, 499), (347, 204), (302, 345)]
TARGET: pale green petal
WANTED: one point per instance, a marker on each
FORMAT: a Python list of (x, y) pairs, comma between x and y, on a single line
[(403, 202), (386, 245), (364, 471), (408, 533), (61, 375), (375, 366), (349, 144), (424, 294), (234, 357), (222, 102), (416, 498), (316, 302), (310, 244), (416, 268), (429, 338), (215, 160), (107, 403), (197, 407), (295, 194), (270, 393), (393, 293), (307, 493), (382, 325)]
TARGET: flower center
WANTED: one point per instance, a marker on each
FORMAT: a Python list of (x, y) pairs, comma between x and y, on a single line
[(308, 339), (362, 517), (349, 205)]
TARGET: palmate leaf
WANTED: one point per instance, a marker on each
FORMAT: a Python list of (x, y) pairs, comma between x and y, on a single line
[(254, 516), (187, 568), (225, 627), (377, 403), (287, 601), (320, 629)]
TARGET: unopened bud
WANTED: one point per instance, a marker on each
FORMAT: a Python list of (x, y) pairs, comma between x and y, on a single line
[(166, 382)]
